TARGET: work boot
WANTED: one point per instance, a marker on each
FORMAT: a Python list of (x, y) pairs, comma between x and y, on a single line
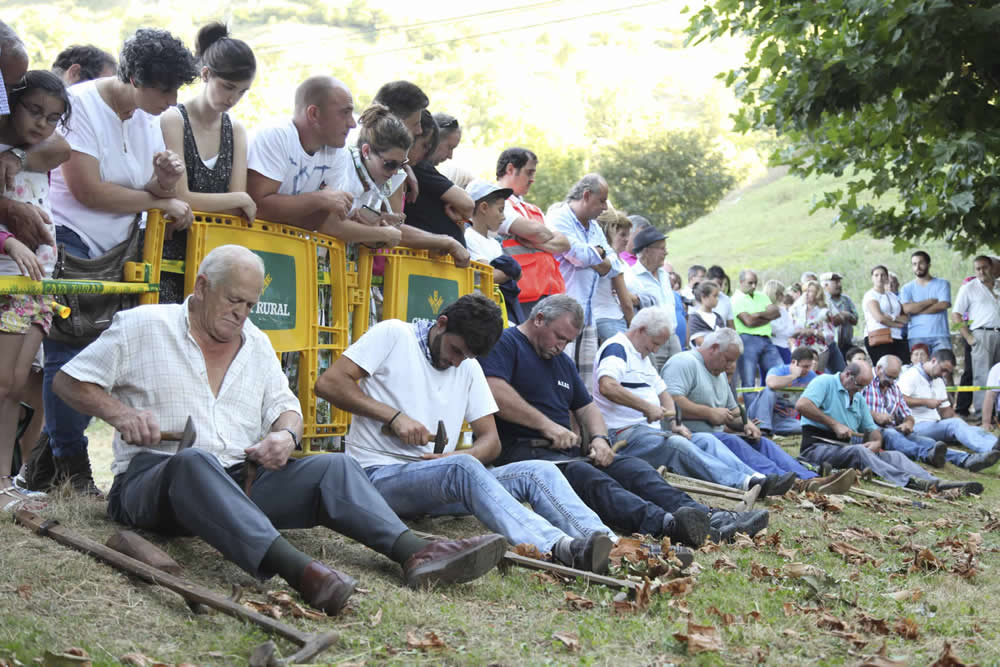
[(590, 553), (921, 484), (777, 485), (76, 471), (454, 561), (39, 470), (936, 459), (967, 488), (977, 462), (724, 524), (325, 588), (688, 525), (683, 554), (839, 483)]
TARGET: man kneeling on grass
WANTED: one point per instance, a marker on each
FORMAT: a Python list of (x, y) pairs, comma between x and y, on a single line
[(157, 365), (536, 386), (404, 378), (833, 410)]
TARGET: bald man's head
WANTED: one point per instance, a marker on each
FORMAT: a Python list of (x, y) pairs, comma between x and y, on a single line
[(13, 56), (315, 91)]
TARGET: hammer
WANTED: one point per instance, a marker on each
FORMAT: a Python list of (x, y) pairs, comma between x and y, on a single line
[(440, 438), (186, 439)]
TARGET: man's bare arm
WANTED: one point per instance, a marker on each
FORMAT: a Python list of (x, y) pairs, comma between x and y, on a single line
[(138, 427)]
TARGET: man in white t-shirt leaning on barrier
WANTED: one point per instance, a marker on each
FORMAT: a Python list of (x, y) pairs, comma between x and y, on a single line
[(924, 391), (398, 379)]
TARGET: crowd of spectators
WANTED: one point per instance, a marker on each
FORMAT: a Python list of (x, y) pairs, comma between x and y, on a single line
[(696, 378)]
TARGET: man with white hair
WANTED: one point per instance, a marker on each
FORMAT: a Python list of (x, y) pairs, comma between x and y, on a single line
[(638, 409), (696, 379), (158, 365)]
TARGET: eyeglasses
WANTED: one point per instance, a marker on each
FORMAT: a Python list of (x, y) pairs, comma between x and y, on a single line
[(448, 124), (391, 165), (37, 114)]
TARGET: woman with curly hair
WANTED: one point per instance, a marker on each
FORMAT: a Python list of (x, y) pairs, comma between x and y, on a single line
[(118, 168)]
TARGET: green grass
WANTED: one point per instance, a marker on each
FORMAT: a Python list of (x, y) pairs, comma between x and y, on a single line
[(512, 618), (768, 228)]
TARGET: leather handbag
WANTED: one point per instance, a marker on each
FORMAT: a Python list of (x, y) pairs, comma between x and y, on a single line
[(880, 337), (91, 314)]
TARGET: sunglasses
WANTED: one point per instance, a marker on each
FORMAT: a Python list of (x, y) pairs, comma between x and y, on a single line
[(391, 165), (449, 124)]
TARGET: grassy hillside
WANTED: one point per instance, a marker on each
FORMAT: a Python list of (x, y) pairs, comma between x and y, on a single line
[(767, 227)]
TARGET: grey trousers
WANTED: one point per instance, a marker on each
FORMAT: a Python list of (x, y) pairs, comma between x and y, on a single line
[(893, 467), (985, 353), (191, 493)]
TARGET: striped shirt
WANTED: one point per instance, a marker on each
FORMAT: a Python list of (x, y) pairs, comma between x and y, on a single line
[(619, 360), (889, 401)]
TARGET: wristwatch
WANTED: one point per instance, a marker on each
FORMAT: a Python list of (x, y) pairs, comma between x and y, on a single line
[(298, 443), (20, 154)]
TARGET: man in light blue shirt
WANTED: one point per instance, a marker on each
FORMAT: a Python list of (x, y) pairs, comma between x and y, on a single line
[(586, 260), (926, 300)]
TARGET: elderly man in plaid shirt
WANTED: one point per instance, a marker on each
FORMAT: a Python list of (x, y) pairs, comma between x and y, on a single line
[(890, 411)]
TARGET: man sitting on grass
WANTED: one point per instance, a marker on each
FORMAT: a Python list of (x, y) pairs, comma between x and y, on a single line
[(157, 365), (774, 409), (537, 387), (833, 411)]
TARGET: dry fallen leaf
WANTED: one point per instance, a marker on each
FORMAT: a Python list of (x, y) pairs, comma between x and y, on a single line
[(724, 563), (71, 657), (828, 621), (272, 610), (569, 639), (137, 659), (902, 596), (678, 587), (796, 570), (429, 641), (788, 554), (375, 618), (681, 605), (529, 551), (926, 560), (24, 591), (576, 602), (948, 659), (727, 619), (873, 625), (906, 628), (853, 554), (853, 637), (700, 638)]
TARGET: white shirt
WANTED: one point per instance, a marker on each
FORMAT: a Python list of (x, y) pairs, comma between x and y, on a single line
[(914, 383), (124, 151), (482, 248), (724, 308), (619, 360), (513, 209), (782, 328), (276, 153), (889, 304), (993, 380), (374, 196), (400, 375), (641, 282), (980, 303), (605, 302), (149, 360), (30, 187)]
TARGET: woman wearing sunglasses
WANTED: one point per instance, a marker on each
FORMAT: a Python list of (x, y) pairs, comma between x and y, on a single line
[(376, 170)]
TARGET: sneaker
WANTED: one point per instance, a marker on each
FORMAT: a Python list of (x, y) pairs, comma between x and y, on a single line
[(977, 462), (967, 488), (922, 484), (21, 484), (39, 470), (591, 554), (687, 525), (936, 458), (725, 524), (11, 500)]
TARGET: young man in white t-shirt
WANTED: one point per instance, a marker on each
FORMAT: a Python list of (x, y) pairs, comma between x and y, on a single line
[(924, 391), (429, 370), (991, 401)]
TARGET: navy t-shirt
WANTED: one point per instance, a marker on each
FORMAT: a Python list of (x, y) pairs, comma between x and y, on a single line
[(427, 212), (552, 386)]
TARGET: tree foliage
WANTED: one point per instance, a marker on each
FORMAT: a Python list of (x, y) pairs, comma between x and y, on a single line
[(671, 177), (899, 94)]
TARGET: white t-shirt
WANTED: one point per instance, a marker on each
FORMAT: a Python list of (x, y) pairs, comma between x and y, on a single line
[(782, 328), (605, 302), (401, 376), (724, 307), (993, 380), (30, 187), (276, 153), (914, 383), (889, 304), (482, 248), (619, 360), (124, 151), (980, 303)]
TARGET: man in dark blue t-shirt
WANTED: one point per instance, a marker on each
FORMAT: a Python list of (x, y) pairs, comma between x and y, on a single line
[(536, 387)]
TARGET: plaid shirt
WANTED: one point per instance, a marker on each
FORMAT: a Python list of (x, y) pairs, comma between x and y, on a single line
[(888, 400), (4, 107)]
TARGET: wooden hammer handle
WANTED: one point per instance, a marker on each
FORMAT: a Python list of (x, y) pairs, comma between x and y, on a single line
[(171, 435)]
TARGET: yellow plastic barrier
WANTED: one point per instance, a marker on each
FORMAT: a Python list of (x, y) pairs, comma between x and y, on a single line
[(309, 292)]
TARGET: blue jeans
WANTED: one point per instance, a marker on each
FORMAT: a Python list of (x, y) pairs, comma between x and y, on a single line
[(955, 429), (917, 447), (785, 354), (460, 484), (834, 360), (628, 495), (763, 409), (891, 466), (933, 343), (759, 353), (701, 458), (764, 456), (607, 327), (64, 425)]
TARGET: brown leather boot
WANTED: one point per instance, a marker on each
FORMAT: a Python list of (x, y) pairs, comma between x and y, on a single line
[(325, 588), (454, 561)]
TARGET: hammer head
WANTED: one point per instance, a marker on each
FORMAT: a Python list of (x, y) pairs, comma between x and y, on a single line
[(440, 438), (187, 439)]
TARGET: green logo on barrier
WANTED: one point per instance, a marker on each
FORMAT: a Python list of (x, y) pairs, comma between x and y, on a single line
[(427, 295), (276, 309)]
